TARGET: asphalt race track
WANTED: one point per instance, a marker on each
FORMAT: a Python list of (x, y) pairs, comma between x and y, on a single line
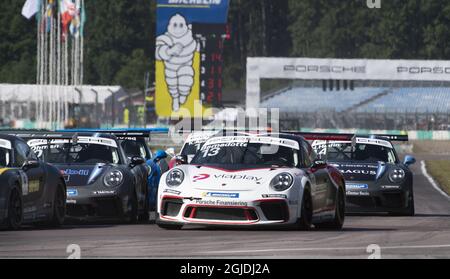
[(426, 235)]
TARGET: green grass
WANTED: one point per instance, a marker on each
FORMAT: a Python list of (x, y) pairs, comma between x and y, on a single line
[(440, 171)]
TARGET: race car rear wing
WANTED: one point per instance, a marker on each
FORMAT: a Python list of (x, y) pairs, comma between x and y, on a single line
[(123, 133), (27, 135), (347, 137)]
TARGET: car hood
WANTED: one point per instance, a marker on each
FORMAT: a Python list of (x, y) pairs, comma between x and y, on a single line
[(82, 175), (214, 179), (361, 171)]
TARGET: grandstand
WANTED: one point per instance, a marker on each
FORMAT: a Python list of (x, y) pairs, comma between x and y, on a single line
[(385, 100), (304, 99), (421, 100), (368, 106)]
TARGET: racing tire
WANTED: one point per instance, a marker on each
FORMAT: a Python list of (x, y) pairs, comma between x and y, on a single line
[(131, 216), (144, 217), (166, 226), (59, 207), (339, 214), (15, 210), (304, 223)]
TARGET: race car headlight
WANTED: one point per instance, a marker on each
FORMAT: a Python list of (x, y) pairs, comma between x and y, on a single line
[(113, 178), (396, 175), (282, 182), (174, 178)]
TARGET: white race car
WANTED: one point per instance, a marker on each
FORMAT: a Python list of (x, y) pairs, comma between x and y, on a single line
[(253, 180)]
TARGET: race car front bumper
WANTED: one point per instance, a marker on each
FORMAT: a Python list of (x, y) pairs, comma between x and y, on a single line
[(377, 198), (91, 202), (223, 212)]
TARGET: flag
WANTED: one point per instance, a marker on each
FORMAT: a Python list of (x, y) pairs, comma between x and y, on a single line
[(49, 14), (68, 11), (83, 20), (75, 24), (30, 8)]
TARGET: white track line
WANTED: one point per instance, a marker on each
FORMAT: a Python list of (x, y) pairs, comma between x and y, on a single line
[(328, 249), (431, 180)]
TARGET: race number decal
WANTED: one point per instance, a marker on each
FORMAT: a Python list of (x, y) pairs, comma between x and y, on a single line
[(211, 152)]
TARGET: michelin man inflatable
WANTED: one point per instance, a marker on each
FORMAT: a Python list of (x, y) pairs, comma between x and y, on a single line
[(176, 48)]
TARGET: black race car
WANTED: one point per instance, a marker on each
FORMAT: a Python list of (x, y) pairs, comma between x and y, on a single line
[(31, 192), (102, 182), (376, 180)]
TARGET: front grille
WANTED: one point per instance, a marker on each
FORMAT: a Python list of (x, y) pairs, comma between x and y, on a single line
[(362, 201), (108, 207), (171, 207), (103, 207), (275, 211), (79, 210), (223, 214), (393, 199)]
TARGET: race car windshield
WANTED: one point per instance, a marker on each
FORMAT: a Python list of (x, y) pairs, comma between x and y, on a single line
[(5, 157), (191, 148), (248, 154), (79, 153), (344, 152)]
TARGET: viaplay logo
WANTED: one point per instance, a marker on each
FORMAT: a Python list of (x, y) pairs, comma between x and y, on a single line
[(201, 177)]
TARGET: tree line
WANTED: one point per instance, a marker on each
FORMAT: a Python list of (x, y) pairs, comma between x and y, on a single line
[(120, 36)]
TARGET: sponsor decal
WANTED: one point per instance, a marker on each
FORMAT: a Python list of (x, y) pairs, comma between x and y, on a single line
[(71, 201), (220, 142), (72, 192), (357, 186), (358, 193), (66, 178), (34, 143), (366, 172), (170, 191), (221, 195), (201, 177), (221, 203), (390, 187), (205, 176), (76, 172), (278, 196), (104, 192), (238, 177), (33, 186)]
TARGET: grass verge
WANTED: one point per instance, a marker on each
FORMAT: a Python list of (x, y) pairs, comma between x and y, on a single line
[(440, 171)]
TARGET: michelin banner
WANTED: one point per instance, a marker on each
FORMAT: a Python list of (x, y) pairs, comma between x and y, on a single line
[(179, 53)]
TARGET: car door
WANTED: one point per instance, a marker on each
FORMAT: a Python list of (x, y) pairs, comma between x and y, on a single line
[(318, 176), (34, 189)]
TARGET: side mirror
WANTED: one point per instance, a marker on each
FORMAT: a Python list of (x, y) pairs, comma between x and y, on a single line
[(319, 164), (159, 155), (409, 160), (181, 160), (30, 164), (136, 161)]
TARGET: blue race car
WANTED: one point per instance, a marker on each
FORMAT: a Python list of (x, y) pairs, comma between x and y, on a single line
[(135, 143)]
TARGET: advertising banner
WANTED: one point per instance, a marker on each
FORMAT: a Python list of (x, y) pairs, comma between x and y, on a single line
[(340, 69), (184, 73)]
